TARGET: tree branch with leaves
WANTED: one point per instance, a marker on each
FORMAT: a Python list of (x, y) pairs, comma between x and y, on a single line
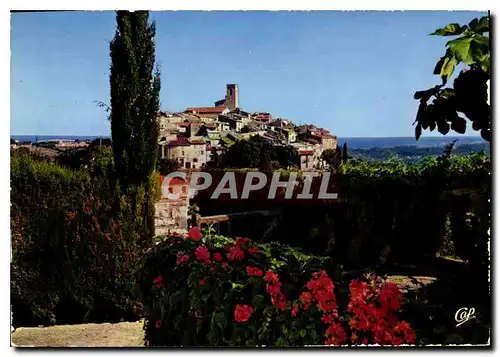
[(448, 108)]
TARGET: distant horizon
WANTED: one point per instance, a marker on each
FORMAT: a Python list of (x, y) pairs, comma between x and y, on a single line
[(352, 72), (338, 136)]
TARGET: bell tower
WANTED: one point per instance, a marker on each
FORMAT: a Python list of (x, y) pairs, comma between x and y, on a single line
[(231, 96)]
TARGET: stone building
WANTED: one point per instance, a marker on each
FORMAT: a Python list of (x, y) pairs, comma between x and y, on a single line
[(172, 214), (190, 153)]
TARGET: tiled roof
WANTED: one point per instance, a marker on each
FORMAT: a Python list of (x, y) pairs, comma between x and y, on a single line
[(305, 152), (179, 142), (214, 110)]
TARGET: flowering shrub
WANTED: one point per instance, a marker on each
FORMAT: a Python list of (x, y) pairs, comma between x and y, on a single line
[(74, 245), (222, 292)]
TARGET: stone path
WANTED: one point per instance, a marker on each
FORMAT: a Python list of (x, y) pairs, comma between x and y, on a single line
[(123, 334)]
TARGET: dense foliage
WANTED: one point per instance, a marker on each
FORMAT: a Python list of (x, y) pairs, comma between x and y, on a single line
[(135, 99), (213, 291), (415, 153), (469, 94), (260, 152), (75, 239), (391, 206)]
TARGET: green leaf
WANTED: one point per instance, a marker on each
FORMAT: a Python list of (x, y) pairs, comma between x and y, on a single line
[(220, 320), (450, 30), (237, 286), (483, 25), (459, 125), (473, 24), (257, 300), (443, 127), (448, 68), (439, 65), (303, 333), (469, 49)]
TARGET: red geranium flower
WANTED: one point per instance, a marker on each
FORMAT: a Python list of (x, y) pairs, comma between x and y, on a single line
[(242, 313), (202, 254), (305, 297), (251, 271), (253, 250), (225, 265), (202, 282), (158, 281), (182, 259), (194, 234), (295, 310), (241, 241), (158, 323), (217, 257), (236, 253), (271, 277)]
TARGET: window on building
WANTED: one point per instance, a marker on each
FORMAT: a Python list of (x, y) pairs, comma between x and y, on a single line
[(184, 189), (195, 160), (170, 190)]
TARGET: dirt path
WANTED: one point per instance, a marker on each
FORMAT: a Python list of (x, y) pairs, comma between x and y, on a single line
[(124, 334)]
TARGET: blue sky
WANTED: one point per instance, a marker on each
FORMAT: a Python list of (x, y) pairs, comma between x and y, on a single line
[(351, 72)]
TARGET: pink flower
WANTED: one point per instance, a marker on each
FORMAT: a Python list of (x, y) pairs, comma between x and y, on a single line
[(158, 323), (202, 282)]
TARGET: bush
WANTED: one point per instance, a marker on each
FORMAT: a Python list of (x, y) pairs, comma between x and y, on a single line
[(383, 206), (213, 291), (75, 240)]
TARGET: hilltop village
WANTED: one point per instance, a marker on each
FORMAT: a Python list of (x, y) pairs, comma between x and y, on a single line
[(199, 135)]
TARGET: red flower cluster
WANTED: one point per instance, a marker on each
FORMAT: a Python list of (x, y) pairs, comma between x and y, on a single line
[(251, 271), (273, 288), (241, 241), (321, 287), (217, 257), (236, 253), (182, 259), (374, 310), (158, 281), (253, 250), (202, 282), (194, 234), (321, 291), (158, 323), (242, 313), (202, 254)]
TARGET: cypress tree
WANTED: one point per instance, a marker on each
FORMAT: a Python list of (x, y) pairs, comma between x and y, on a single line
[(344, 153), (135, 99)]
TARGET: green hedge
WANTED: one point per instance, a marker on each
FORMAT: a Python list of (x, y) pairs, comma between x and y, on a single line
[(213, 291), (403, 211), (75, 240)]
